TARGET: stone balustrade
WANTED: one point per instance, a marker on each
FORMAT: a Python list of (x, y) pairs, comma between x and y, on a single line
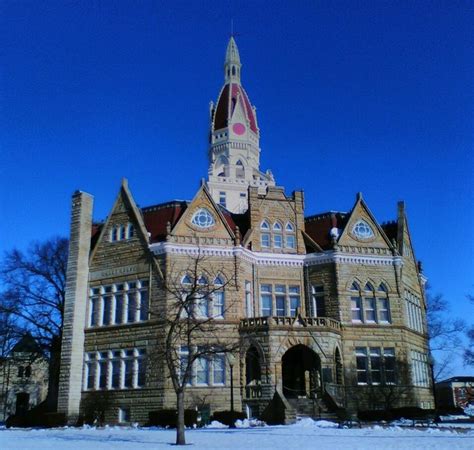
[(283, 321)]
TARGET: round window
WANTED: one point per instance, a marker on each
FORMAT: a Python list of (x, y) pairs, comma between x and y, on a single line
[(202, 218), (362, 230)]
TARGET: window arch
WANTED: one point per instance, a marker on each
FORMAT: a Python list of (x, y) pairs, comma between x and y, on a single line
[(382, 288), (186, 279), (368, 287), (239, 169), (265, 225), (355, 286), (289, 227)]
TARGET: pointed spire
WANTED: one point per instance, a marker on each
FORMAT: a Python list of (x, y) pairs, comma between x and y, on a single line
[(232, 63)]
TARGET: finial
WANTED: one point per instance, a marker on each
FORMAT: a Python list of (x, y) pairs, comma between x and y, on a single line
[(124, 182), (359, 196)]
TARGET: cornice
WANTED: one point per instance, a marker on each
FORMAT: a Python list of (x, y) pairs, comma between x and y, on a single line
[(276, 259)]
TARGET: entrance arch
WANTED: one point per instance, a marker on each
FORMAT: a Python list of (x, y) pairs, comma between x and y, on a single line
[(301, 372)]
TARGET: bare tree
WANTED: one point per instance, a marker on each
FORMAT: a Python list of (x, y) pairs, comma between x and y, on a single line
[(469, 351), (33, 293), (444, 333), (190, 325)]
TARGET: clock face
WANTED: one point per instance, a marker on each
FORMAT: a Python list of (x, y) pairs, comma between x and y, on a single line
[(238, 128)]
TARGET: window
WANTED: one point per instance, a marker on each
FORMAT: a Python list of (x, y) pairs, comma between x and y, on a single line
[(222, 199), (356, 309), (413, 311), (362, 365), (375, 365), (294, 292), (280, 300), (266, 300), (317, 307), (290, 227), (124, 415), (202, 371), (115, 369), (265, 240), (277, 241), (369, 309), (218, 300), (420, 369), (239, 170), (119, 303), (28, 371), (290, 241), (372, 307), (219, 369), (362, 230), (121, 232), (202, 218), (285, 299)]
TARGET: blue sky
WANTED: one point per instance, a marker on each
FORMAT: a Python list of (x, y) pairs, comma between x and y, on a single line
[(371, 96)]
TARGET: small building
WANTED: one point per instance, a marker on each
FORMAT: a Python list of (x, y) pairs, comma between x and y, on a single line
[(455, 392), (23, 378)]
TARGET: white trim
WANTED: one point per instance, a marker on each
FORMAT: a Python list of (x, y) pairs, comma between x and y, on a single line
[(274, 259)]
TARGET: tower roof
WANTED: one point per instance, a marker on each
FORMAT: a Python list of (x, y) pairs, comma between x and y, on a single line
[(232, 54), (226, 103)]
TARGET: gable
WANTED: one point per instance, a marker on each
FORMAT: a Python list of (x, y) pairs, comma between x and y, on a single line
[(123, 236), (203, 218), (362, 230)]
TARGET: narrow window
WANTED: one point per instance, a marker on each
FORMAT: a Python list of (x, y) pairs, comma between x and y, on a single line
[(356, 309), (317, 301), (383, 311), (202, 372), (143, 304), (389, 362), (290, 241), (28, 371), (362, 365), (122, 232), (294, 299), (280, 300), (369, 309), (141, 368), (265, 240), (222, 199), (219, 369), (124, 415), (128, 379), (375, 365), (107, 310), (116, 370), (103, 367), (114, 234), (266, 300), (130, 231)]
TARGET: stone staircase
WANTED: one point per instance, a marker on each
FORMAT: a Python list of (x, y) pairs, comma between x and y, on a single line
[(314, 408)]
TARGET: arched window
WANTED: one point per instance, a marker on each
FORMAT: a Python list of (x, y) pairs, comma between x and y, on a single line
[(368, 287), (122, 232), (382, 288), (239, 170), (114, 234), (290, 238), (355, 287), (218, 305), (265, 235), (277, 235), (130, 231), (202, 280), (290, 227), (383, 304), (233, 70), (186, 280)]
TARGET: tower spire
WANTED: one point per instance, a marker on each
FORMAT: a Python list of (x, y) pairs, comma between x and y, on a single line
[(232, 63)]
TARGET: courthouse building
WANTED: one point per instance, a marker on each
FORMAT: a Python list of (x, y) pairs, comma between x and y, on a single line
[(328, 310)]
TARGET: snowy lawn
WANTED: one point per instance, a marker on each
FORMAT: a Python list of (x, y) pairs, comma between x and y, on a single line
[(305, 434)]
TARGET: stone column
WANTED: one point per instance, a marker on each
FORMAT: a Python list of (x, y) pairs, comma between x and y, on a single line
[(72, 351)]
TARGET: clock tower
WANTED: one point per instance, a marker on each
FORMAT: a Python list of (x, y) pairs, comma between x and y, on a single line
[(234, 151)]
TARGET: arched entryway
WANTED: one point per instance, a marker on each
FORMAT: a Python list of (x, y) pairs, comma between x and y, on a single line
[(301, 372)]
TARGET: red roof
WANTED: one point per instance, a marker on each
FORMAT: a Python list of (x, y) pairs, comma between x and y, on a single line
[(226, 104), (319, 226), (156, 218)]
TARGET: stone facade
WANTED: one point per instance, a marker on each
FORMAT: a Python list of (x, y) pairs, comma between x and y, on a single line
[(327, 311)]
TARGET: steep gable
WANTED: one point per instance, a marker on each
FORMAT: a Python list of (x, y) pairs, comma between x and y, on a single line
[(204, 219), (123, 234), (362, 229)]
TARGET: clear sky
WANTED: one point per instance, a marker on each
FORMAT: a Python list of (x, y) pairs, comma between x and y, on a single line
[(371, 96)]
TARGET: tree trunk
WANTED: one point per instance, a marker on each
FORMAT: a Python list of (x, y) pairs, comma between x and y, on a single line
[(180, 438)]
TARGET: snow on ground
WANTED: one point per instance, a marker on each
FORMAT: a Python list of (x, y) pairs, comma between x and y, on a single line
[(306, 434)]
